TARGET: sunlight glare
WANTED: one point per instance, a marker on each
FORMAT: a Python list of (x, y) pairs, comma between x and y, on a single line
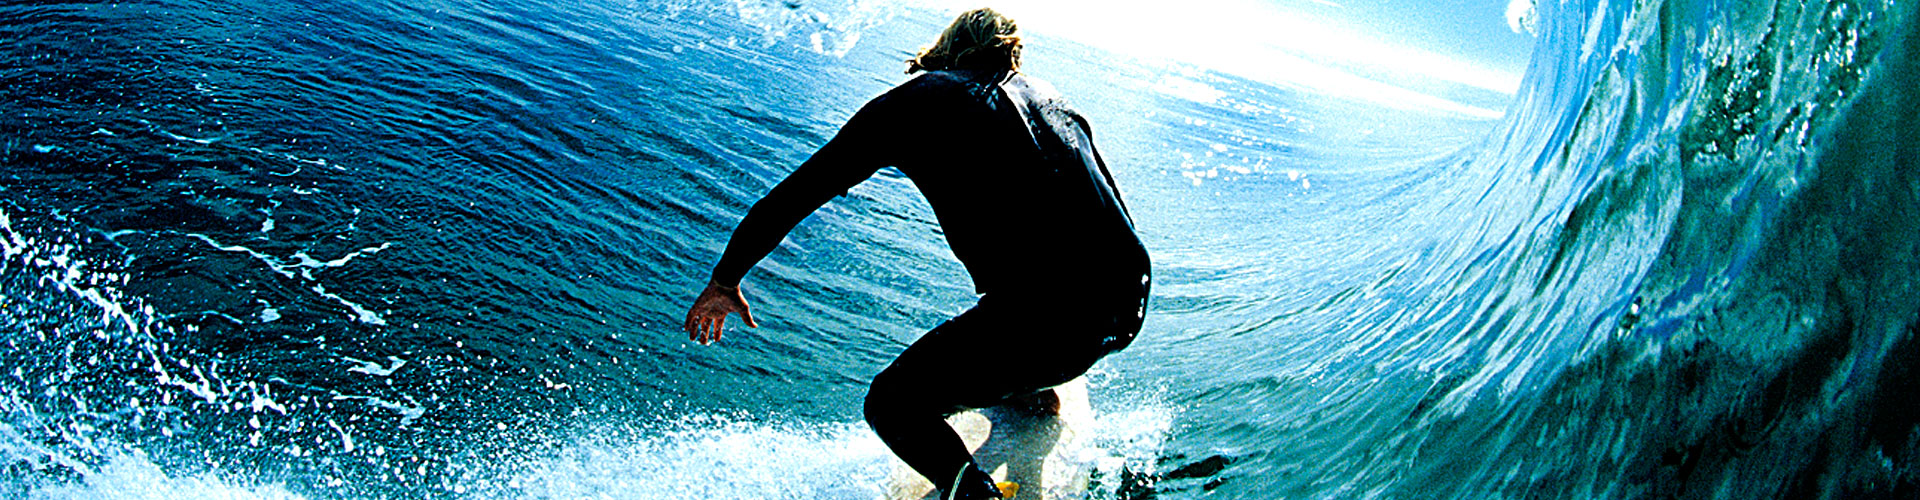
[(1254, 39)]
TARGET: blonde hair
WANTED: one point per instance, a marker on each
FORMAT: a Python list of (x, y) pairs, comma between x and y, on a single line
[(979, 39)]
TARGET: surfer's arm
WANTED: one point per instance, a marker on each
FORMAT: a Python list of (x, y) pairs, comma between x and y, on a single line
[(1087, 128), (852, 156)]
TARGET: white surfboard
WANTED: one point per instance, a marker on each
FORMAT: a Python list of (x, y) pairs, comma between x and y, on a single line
[(1043, 453)]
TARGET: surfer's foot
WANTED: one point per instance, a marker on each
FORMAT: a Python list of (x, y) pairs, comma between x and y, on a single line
[(1045, 402), (1007, 489)]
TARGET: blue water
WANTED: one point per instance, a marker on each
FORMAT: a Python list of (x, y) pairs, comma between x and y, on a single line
[(441, 249)]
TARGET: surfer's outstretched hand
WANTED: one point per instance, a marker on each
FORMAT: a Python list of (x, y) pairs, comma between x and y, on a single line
[(709, 312)]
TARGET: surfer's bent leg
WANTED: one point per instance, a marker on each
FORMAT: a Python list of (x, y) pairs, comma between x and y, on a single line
[(993, 353), (908, 405)]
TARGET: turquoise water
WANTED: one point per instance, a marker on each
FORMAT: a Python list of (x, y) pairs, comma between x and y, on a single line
[(441, 249)]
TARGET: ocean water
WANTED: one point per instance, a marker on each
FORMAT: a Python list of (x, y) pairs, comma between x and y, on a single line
[(441, 249)]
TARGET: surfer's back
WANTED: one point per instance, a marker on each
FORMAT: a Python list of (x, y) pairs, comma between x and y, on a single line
[(1014, 179)]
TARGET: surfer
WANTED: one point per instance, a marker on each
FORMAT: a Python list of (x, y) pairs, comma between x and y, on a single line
[(1027, 206)]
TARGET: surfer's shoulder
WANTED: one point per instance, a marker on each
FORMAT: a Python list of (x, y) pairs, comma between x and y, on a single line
[(1049, 99), (932, 84), (932, 91), (1035, 87)]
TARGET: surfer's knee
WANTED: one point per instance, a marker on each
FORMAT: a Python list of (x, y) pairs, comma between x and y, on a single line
[(874, 410), (896, 393), (883, 396)]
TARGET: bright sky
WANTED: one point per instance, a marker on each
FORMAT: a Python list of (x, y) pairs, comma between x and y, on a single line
[(1257, 39)]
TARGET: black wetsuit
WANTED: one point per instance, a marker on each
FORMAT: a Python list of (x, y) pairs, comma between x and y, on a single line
[(1027, 205)]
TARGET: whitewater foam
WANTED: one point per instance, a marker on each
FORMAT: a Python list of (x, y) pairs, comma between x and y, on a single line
[(703, 457), (131, 476)]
